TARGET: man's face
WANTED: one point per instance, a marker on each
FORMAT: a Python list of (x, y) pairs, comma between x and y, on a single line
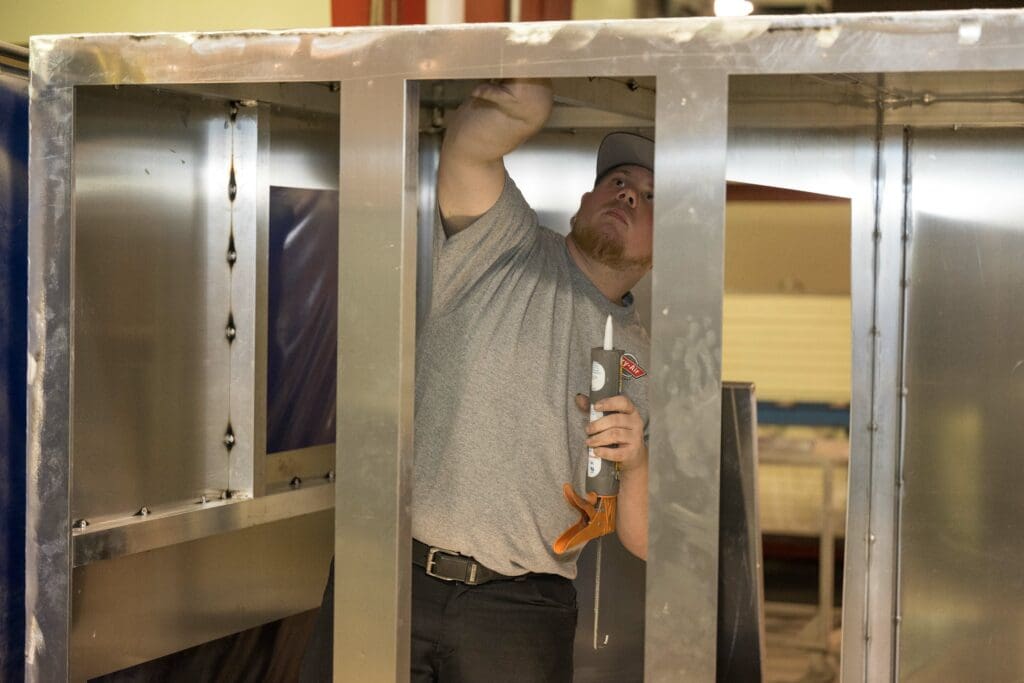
[(615, 222)]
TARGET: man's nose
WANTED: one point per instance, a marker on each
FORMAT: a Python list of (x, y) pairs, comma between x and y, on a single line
[(627, 195)]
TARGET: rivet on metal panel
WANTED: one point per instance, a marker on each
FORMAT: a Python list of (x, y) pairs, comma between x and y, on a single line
[(230, 330), (229, 438), (232, 252), (81, 523), (296, 482), (873, 426), (203, 500), (875, 332), (143, 512), (330, 475), (632, 85), (904, 391), (234, 111), (335, 87), (232, 185), (871, 538)]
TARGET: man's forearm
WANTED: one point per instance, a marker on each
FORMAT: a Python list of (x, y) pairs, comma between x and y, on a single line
[(490, 124), (631, 522)]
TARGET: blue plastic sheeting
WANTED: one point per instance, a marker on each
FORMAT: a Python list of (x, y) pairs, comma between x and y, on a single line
[(302, 310), (13, 312), (805, 414)]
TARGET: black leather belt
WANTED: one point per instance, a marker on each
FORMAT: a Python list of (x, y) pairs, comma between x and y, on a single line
[(449, 565)]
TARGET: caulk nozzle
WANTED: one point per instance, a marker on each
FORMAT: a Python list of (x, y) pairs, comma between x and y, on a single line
[(608, 345)]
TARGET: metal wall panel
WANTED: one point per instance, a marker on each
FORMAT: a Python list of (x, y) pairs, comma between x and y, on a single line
[(153, 295), (961, 586), (213, 196), (138, 607)]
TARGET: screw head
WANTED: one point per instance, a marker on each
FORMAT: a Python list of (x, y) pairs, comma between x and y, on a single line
[(232, 256), (143, 511), (330, 475), (296, 482), (230, 332), (81, 523), (229, 439)]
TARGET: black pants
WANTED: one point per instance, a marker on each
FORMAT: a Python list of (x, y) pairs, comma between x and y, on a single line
[(515, 631)]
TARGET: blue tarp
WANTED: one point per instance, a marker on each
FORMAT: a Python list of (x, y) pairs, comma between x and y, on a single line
[(302, 349), (13, 310)]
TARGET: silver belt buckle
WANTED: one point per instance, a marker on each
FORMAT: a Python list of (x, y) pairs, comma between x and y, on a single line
[(431, 562), (429, 568)]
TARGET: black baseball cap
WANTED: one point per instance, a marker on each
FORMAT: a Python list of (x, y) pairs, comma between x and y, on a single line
[(620, 149)]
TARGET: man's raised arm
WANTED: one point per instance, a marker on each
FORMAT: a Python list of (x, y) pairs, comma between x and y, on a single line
[(492, 122)]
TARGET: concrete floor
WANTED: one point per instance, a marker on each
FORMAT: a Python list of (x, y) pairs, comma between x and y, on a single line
[(795, 651)]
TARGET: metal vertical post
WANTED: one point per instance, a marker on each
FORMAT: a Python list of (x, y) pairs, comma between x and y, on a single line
[(376, 358)]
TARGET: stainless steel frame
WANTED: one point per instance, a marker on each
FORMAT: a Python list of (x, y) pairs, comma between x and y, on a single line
[(696, 63)]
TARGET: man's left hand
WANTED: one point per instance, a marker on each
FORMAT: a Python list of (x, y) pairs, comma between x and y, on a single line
[(622, 427)]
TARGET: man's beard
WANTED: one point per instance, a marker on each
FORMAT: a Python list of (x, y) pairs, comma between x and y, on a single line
[(607, 247)]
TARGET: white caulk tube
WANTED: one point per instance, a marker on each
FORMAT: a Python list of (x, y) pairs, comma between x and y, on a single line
[(605, 381)]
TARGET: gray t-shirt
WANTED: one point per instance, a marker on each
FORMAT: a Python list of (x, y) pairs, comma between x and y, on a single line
[(500, 359)]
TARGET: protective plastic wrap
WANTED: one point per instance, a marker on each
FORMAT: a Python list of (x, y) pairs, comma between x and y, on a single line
[(13, 298), (302, 314)]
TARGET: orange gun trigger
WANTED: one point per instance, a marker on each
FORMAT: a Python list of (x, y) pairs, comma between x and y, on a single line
[(597, 518)]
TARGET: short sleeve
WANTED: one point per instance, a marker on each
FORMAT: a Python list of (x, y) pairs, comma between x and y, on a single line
[(494, 243)]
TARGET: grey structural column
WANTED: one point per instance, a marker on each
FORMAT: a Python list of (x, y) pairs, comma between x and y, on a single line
[(686, 354), (376, 359), (48, 494)]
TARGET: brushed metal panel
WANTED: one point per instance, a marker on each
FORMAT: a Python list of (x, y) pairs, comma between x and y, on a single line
[(304, 147), (686, 354), (961, 587), (978, 40), (152, 287), (882, 427), (376, 359), (875, 267), (119, 538), (142, 606), (48, 464), (244, 209)]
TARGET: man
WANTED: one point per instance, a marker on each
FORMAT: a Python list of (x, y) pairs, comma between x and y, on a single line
[(502, 373), (502, 362)]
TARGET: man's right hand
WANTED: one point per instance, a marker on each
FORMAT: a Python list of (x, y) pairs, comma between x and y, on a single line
[(497, 118)]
